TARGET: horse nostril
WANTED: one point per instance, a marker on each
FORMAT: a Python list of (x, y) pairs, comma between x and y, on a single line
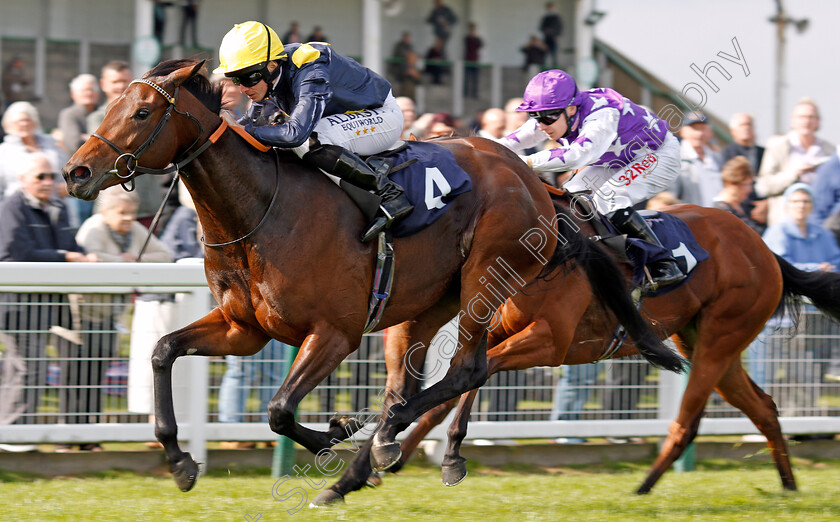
[(81, 173)]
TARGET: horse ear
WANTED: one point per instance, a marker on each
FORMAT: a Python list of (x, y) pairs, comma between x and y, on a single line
[(412, 137), (185, 73)]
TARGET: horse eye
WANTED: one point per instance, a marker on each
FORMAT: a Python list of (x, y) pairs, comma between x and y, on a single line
[(142, 114)]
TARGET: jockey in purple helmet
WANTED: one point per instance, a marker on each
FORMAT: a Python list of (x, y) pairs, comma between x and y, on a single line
[(623, 153)]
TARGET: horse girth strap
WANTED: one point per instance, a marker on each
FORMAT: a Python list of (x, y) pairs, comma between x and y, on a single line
[(382, 279)]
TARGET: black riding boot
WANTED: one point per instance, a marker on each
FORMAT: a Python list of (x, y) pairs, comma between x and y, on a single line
[(349, 167), (664, 272)]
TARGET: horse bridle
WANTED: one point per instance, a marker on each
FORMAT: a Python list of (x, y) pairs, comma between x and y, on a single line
[(133, 168), (131, 164)]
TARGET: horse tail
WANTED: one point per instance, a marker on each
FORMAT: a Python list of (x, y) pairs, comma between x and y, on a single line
[(822, 288), (609, 288)]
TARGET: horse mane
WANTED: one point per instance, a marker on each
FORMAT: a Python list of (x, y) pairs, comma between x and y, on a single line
[(198, 85)]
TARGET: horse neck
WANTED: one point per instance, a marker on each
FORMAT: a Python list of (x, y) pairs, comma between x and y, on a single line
[(232, 186)]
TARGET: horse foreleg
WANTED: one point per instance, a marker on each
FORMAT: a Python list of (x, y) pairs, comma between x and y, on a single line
[(210, 335), (739, 390), (319, 355)]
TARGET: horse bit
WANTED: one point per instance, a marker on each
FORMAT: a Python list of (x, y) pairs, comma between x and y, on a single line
[(133, 168), (131, 165)]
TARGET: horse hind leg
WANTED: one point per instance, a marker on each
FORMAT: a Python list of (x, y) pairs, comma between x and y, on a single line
[(710, 361), (740, 391)]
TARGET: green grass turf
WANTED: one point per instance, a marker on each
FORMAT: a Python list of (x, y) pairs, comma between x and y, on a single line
[(718, 490)]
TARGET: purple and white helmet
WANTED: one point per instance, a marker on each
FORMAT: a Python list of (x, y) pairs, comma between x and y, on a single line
[(549, 90)]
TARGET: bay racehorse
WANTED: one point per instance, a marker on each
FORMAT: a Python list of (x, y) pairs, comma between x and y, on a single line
[(713, 317), (283, 260)]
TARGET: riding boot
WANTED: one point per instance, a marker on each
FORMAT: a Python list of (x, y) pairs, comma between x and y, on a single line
[(349, 167), (664, 272)]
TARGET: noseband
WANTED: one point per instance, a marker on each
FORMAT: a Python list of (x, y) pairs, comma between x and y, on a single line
[(131, 158)]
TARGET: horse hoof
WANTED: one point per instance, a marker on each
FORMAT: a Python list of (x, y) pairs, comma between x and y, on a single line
[(327, 498), (347, 425), (384, 456), (185, 472), (452, 475), (374, 480)]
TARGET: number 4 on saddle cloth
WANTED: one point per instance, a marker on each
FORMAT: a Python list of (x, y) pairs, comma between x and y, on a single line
[(431, 179), (677, 240)]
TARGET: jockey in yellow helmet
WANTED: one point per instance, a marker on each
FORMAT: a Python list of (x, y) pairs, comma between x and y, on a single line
[(335, 108)]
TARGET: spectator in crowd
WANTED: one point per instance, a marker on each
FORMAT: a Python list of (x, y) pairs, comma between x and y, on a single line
[(155, 314), (737, 176), (159, 19), (472, 45), (262, 371), (513, 118), (113, 235), (72, 122), (742, 129), (293, 34), (409, 111), (624, 384), (551, 26), (791, 158), (535, 52), (189, 18), (317, 35), (699, 180), (233, 101), (810, 247), (24, 137), (827, 195), (114, 79), (443, 124), (399, 54), (434, 62), (571, 394), (662, 200), (492, 124), (410, 77), (442, 19), (36, 227), (16, 82)]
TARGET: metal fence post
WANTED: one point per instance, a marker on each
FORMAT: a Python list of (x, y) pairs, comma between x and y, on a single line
[(284, 451)]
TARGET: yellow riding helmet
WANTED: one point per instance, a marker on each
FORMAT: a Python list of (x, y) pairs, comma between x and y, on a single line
[(247, 45)]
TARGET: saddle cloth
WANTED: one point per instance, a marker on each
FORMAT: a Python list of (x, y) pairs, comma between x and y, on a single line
[(677, 240), (430, 183)]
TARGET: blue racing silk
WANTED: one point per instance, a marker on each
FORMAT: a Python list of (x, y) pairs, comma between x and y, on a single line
[(314, 82)]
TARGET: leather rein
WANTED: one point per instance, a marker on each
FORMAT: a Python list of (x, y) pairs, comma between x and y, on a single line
[(133, 168)]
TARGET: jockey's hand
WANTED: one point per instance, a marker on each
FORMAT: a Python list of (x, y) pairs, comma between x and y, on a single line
[(278, 118)]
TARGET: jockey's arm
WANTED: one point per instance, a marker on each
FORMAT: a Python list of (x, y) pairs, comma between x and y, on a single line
[(598, 131), (297, 127), (312, 90), (527, 136)]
